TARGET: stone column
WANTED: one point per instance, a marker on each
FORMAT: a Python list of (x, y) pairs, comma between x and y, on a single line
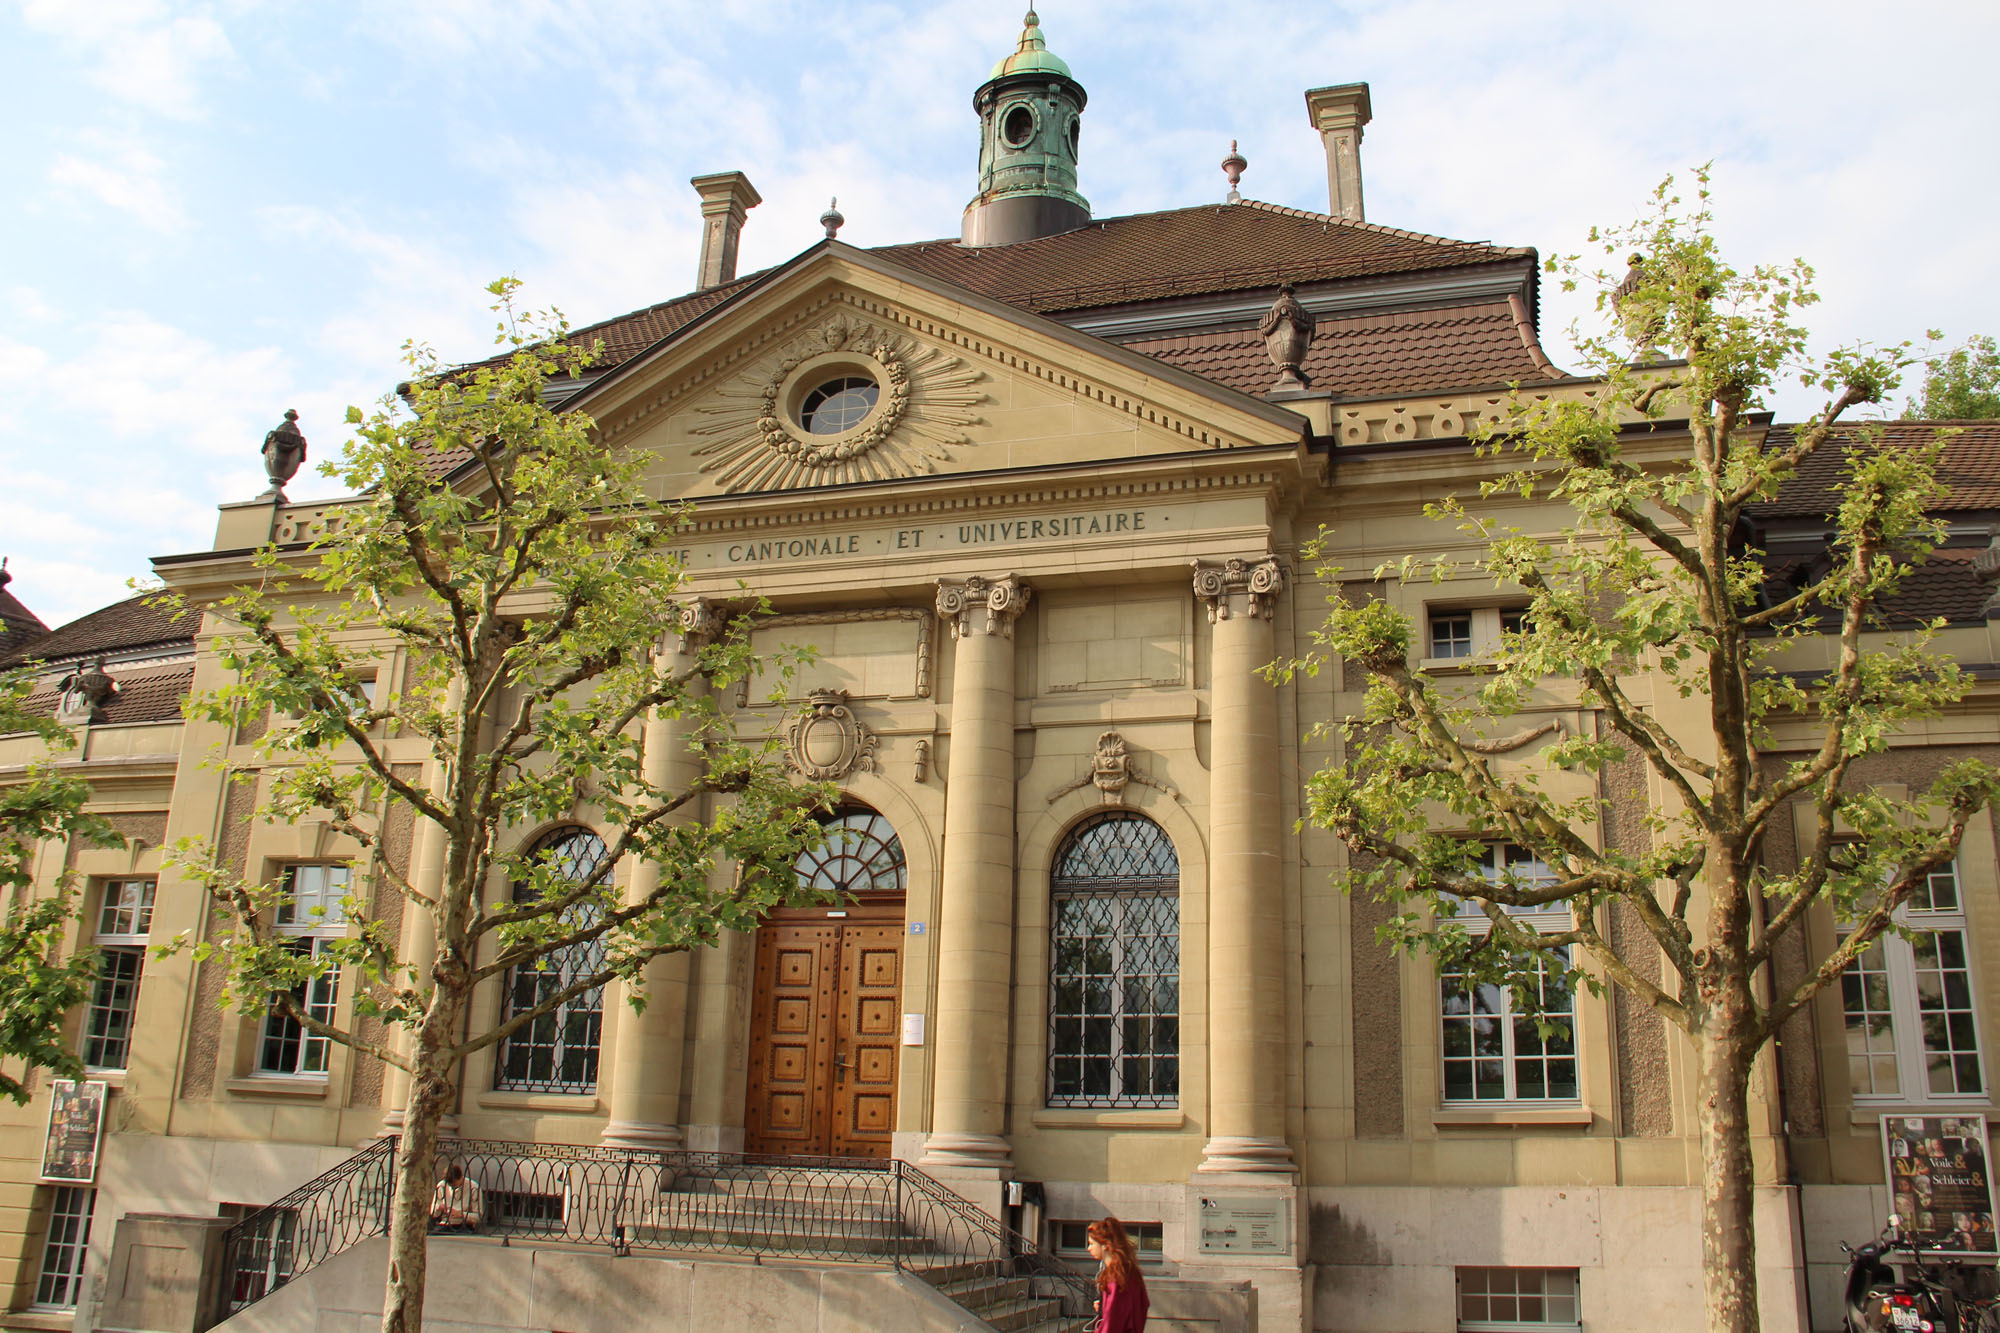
[(1246, 916), (419, 934), (646, 1054), (976, 899)]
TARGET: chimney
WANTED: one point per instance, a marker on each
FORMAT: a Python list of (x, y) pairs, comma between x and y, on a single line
[(1338, 113), (725, 198)]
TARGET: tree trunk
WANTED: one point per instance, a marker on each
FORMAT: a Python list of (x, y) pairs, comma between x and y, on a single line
[(1728, 1229), (409, 1225), (416, 1154)]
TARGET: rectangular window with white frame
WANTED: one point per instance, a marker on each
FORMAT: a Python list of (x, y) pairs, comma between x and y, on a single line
[(310, 915), (1496, 1050), (1464, 633), (124, 920), (64, 1246), (1518, 1300), (1912, 1025)]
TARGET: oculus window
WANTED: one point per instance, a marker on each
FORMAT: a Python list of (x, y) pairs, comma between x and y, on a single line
[(838, 405)]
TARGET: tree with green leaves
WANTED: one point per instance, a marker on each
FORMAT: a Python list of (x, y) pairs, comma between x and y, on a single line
[(1645, 606), (1961, 385), (532, 592), (39, 987)]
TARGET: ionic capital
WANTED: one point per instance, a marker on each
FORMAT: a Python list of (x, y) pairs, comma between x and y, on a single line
[(700, 620), (1256, 583), (981, 605)]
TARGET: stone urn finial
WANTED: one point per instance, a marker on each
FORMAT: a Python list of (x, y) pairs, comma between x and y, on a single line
[(1233, 167), (832, 219), (1288, 335), (284, 450), (84, 692), (1641, 320)]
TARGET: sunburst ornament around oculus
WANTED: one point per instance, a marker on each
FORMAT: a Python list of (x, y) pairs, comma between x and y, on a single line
[(850, 401)]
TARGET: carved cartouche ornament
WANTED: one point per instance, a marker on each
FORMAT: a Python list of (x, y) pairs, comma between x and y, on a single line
[(826, 741), (1288, 335), (284, 450)]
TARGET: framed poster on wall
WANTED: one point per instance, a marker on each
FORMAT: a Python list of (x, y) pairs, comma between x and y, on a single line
[(1939, 1179), (76, 1118)]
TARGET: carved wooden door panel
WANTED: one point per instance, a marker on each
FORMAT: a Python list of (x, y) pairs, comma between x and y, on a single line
[(866, 1039), (791, 1043), (826, 1024)]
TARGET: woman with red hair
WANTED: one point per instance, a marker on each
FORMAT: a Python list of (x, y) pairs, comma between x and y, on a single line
[(1121, 1291)]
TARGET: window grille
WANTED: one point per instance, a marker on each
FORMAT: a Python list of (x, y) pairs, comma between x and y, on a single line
[(861, 854), (557, 1052), (63, 1251), (1114, 966)]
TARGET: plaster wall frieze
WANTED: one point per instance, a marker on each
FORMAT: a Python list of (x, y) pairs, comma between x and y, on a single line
[(921, 617), (979, 605), (795, 516), (1111, 772), (1252, 585)]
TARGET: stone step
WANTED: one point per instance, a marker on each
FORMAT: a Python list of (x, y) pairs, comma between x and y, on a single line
[(843, 1211), (762, 1187), (977, 1293), (708, 1235), (1019, 1315)]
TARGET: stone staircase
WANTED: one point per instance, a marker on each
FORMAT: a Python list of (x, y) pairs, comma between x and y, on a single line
[(765, 1212)]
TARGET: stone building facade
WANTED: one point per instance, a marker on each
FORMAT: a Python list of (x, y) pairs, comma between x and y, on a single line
[(1038, 500)]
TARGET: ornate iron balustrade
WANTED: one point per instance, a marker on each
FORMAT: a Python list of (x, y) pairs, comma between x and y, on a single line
[(808, 1208), (316, 1221)]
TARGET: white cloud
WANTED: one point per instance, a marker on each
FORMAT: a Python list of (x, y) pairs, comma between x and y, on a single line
[(144, 53), (122, 175)]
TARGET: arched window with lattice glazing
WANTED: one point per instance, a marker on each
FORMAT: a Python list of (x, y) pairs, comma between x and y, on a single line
[(556, 1052), (1115, 965), (861, 855)]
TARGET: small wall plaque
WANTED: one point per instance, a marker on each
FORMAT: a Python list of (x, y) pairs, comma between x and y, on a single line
[(913, 1029), (1246, 1224)]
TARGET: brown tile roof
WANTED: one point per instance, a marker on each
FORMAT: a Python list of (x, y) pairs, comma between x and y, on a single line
[(1145, 257), (19, 626), (1945, 584), (152, 694), (1187, 251), (1362, 355), (120, 627), (1971, 468)]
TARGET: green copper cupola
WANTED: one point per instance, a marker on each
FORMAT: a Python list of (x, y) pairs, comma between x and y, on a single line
[(1030, 114)]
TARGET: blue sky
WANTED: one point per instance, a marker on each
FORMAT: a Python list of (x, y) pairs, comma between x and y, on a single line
[(216, 211)]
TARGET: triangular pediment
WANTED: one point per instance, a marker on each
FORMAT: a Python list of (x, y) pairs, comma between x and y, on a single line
[(941, 381)]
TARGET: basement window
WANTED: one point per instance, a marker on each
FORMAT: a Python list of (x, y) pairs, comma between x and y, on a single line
[(1518, 1300), (1071, 1240)]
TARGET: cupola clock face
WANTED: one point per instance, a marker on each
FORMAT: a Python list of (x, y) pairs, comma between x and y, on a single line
[(850, 401)]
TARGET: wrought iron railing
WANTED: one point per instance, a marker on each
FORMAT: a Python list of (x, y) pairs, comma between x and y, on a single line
[(809, 1208), (316, 1221)]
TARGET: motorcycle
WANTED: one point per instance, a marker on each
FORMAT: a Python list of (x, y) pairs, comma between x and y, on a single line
[(1933, 1298)]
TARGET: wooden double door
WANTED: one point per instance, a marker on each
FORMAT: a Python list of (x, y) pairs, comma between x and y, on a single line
[(826, 1025)]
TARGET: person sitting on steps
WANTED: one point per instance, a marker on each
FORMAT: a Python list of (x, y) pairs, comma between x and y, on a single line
[(456, 1205)]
